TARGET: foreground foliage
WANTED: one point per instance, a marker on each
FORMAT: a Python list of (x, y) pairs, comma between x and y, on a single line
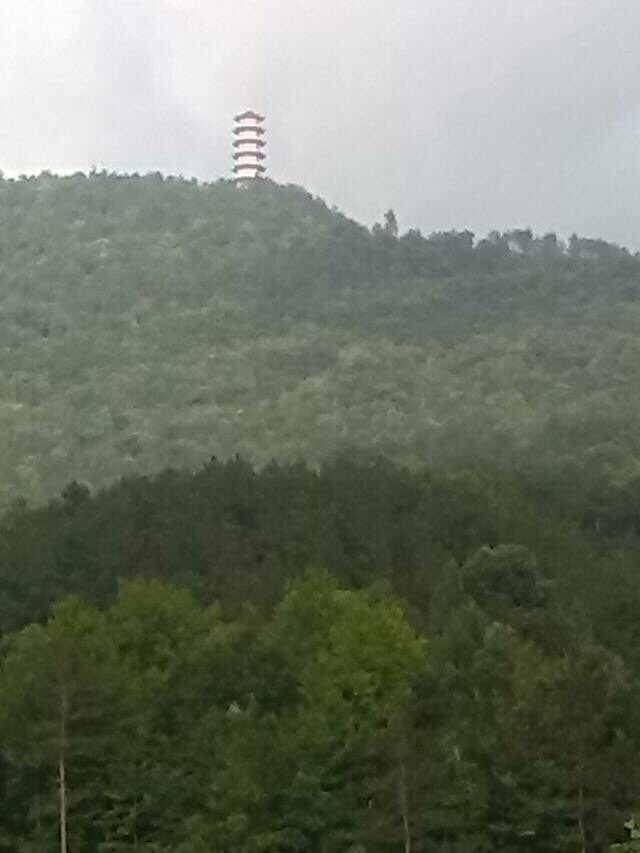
[(461, 675)]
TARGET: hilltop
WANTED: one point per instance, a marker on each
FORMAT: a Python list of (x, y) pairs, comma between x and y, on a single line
[(150, 322)]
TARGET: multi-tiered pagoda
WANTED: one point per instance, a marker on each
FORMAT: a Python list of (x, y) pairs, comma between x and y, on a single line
[(249, 146)]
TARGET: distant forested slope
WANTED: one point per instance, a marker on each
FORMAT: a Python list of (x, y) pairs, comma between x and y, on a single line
[(147, 322)]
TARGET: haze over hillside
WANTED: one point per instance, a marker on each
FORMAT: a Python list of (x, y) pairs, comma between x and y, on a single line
[(148, 322)]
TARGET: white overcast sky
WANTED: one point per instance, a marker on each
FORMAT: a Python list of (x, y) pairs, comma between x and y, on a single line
[(473, 114)]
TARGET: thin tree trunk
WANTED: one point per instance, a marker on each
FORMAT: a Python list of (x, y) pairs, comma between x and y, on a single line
[(62, 776), (38, 816), (62, 784), (581, 827), (403, 799)]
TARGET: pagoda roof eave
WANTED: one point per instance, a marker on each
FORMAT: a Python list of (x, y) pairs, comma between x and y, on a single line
[(249, 114)]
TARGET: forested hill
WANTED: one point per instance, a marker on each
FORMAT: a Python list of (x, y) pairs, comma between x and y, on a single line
[(147, 322), (342, 653)]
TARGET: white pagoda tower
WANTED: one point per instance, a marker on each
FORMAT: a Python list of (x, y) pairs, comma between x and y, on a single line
[(248, 146)]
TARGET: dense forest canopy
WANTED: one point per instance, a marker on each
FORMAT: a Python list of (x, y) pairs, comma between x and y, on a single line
[(312, 537), (360, 658), (150, 321)]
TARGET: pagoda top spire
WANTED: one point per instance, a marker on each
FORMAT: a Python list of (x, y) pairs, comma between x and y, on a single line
[(249, 114)]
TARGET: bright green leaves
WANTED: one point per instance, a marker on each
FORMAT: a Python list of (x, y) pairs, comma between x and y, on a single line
[(122, 704), (62, 709), (347, 648), (311, 773), (633, 844), (330, 725), (169, 723)]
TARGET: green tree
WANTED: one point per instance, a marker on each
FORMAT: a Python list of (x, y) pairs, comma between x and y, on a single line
[(391, 224), (177, 661), (591, 713), (318, 769), (60, 706)]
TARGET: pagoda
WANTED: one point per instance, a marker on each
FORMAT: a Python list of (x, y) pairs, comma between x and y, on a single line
[(249, 146)]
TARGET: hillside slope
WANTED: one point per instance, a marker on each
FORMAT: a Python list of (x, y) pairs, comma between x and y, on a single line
[(148, 322)]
